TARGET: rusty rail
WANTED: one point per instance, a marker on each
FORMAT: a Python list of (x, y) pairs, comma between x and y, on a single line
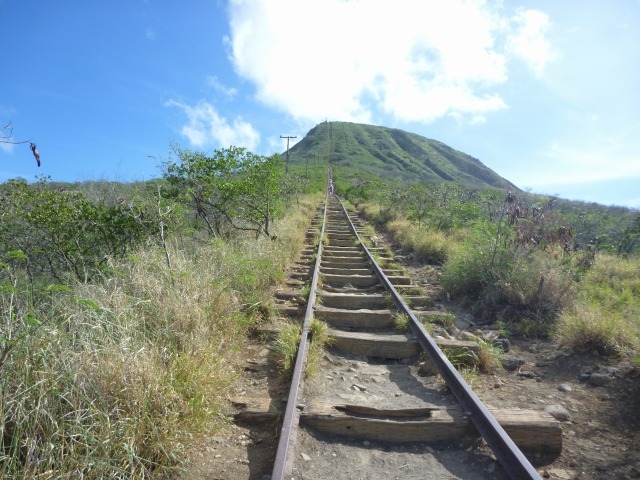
[(283, 460), (508, 454)]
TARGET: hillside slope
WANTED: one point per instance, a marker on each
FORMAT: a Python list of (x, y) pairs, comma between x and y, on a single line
[(393, 153)]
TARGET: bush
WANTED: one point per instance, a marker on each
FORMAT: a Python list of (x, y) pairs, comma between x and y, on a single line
[(530, 289)]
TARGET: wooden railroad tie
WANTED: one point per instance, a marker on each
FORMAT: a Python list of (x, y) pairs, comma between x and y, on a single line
[(531, 430)]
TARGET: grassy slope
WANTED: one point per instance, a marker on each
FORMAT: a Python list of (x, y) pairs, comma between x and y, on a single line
[(393, 153)]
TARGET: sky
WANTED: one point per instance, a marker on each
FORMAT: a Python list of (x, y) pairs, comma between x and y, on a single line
[(544, 92)]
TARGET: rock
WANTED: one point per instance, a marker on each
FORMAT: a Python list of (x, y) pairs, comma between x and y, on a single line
[(583, 377), (470, 337), (558, 412), (526, 374), (359, 387), (305, 457), (502, 343), (427, 369), (490, 334), (510, 362), (563, 387), (598, 379), (560, 474)]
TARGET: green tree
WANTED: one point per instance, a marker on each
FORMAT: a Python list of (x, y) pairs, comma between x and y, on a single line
[(61, 232), (233, 189)]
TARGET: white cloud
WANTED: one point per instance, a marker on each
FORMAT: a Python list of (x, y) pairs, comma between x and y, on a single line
[(7, 147), (206, 127), (357, 60), (220, 88), (528, 41), (565, 164)]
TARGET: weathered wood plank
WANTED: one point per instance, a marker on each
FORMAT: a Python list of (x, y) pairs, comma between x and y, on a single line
[(389, 345), (531, 430), (353, 301), (362, 318)]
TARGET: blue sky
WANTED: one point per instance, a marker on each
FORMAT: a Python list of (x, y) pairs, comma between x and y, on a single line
[(543, 92)]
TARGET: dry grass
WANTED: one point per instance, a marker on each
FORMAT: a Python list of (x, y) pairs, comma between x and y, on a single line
[(606, 312), (426, 244), (116, 379)]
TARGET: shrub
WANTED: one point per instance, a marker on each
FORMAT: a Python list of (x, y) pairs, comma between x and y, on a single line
[(530, 289)]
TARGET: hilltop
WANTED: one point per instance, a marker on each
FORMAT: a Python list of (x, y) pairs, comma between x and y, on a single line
[(393, 153)]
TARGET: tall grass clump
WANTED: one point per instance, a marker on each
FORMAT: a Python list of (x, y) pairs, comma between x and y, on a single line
[(319, 335), (427, 245), (606, 312), (527, 290), (116, 379)]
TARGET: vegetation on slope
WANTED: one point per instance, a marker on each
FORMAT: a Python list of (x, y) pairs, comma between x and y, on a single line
[(391, 153), (117, 346), (539, 265), (123, 307)]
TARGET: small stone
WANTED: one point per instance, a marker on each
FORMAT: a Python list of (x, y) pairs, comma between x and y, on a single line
[(598, 379), (366, 443), (558, 412), (502, 343), (526, 374), (510, 363), (469, 336), (563, 387), (305, 457), (427, 369), (361, 388), (583, 377)]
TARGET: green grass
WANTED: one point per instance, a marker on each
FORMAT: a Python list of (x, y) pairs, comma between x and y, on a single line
[(286, 347), (319, 333), (605, 315)]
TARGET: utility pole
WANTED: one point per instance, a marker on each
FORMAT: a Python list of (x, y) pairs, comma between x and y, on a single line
[(330, 142), (287, 167)]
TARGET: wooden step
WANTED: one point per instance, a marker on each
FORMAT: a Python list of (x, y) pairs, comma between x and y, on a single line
[(391, 345), (531, 430), (364, 281), (363, 318), (352, 301)]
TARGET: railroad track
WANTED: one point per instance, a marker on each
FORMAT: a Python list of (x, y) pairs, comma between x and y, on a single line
[(375, 409)]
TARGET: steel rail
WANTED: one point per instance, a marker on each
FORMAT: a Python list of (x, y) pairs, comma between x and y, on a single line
[(283, 462), (507, 452)]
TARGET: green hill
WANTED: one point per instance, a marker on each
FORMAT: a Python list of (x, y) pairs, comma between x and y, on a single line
[(393, 153)]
